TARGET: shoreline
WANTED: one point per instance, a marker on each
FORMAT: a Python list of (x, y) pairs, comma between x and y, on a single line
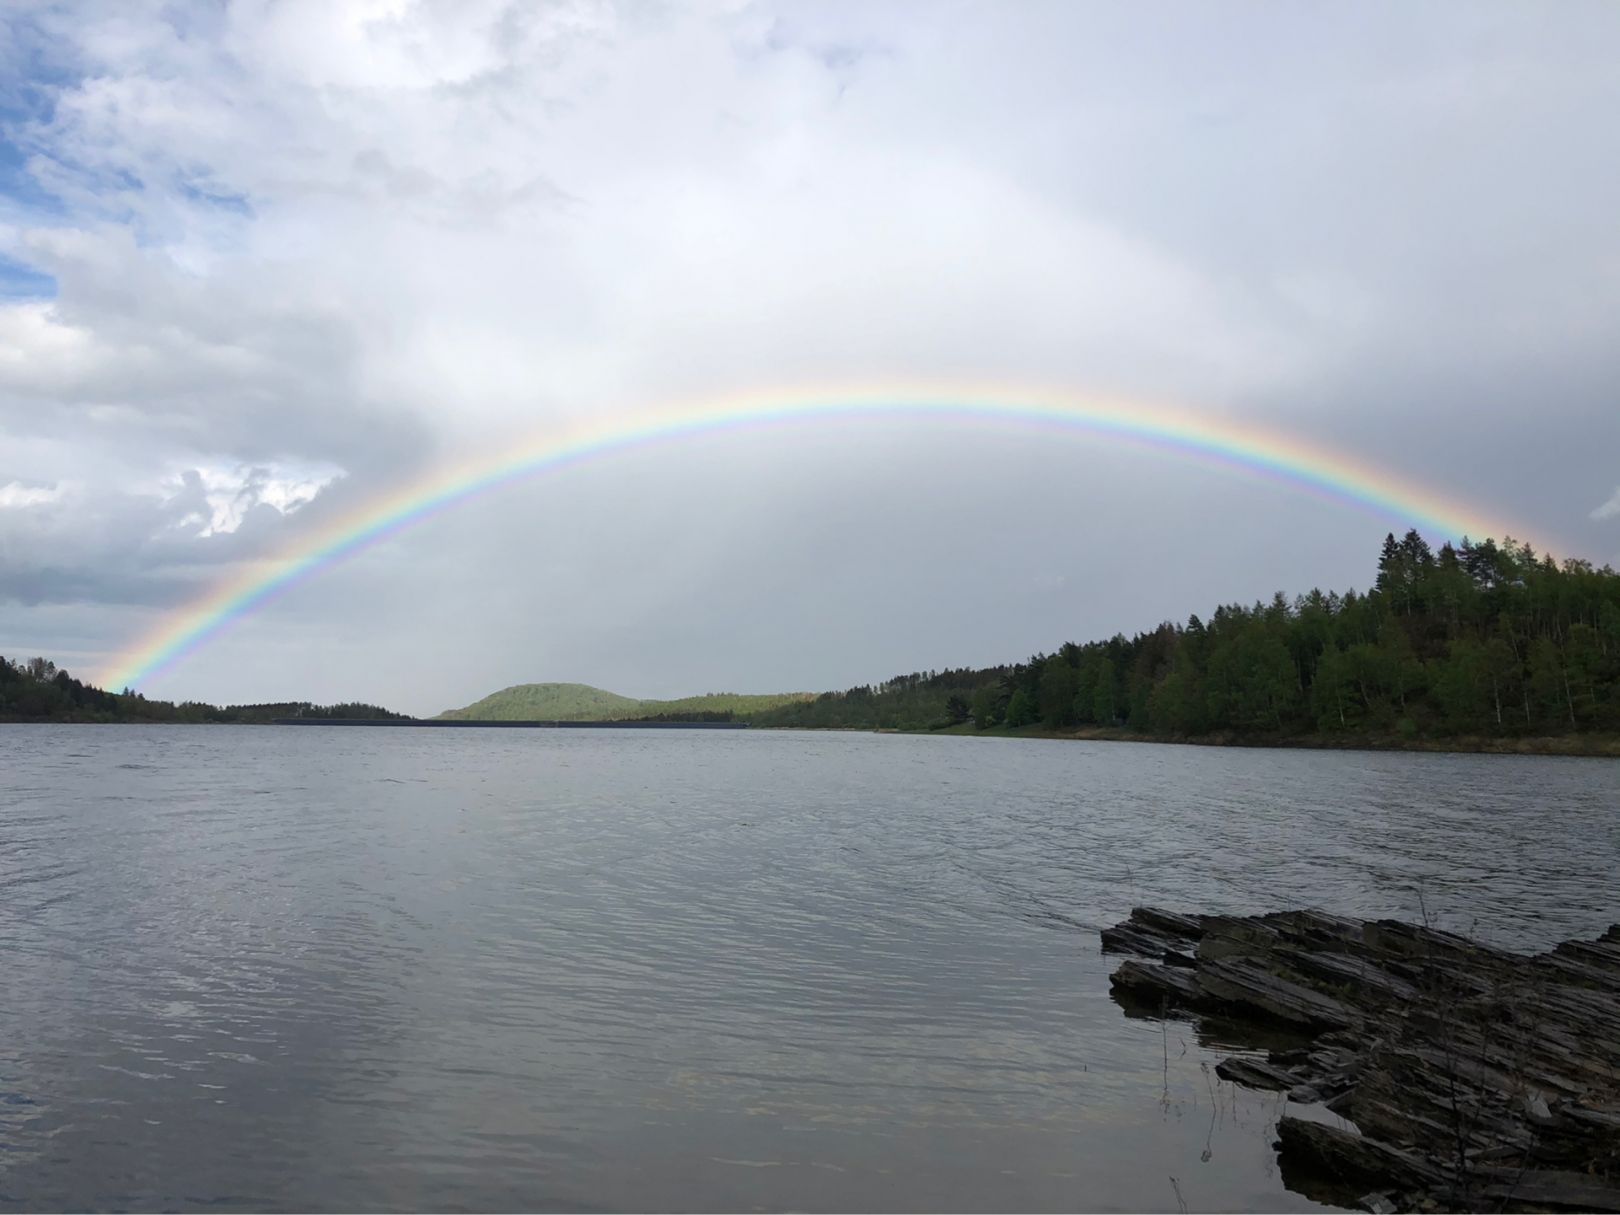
[(1594, 746), (1573, 746), (1578, 746)]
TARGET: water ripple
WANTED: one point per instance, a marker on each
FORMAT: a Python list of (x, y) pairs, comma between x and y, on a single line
[(384, 970)]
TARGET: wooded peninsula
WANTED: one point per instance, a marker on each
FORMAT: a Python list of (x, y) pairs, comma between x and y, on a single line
[(1487, 642)]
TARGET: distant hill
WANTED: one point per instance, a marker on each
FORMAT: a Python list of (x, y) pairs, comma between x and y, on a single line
[(581, 702), (547, 702)]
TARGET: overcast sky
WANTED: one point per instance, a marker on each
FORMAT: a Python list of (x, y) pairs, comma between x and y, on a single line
[(260, 261)]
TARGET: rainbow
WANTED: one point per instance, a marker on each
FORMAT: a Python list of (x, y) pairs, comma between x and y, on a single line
[(1222, 442)]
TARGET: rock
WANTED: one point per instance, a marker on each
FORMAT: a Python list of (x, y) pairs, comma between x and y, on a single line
[(1255, 1073), (1127, 938), (1168, 923), (1362, 980), (1352, 1158), (1535, 1108), (1551, 1188), (1153, 933), (1470, 1073), (1235, 936), (1249, 986), (1318, 931), (1151, 985), (1343, 1103)]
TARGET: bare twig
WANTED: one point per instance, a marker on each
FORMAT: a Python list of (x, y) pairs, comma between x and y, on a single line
[(1181, 1203)]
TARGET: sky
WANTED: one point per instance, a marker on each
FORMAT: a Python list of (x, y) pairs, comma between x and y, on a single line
[(262, 263)]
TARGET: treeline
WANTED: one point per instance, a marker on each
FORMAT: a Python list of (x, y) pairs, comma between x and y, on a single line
[(37, 690), (701, 715), (1479, 639), (923, 700)]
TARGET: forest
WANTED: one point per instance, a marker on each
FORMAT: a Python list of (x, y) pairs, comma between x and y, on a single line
[(36, 690), (1475, 640)]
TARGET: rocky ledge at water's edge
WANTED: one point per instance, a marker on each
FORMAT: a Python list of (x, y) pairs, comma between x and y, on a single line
[(1466, 1077)]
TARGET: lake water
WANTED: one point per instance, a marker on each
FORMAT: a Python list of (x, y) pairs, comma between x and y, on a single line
[(387, 969)]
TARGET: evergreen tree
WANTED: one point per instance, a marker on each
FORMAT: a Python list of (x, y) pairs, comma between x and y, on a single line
[(1059, 684)]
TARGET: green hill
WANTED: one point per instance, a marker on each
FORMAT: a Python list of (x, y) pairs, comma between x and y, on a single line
[(581, 702)]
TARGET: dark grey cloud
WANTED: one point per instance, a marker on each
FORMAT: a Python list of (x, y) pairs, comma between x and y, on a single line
[(84, 545)]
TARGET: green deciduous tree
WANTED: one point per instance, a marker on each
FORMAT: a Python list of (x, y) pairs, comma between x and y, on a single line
[(1021, 709), (986, 707)]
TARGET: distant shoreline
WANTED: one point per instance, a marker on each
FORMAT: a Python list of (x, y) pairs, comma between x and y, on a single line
[(463, 723), (429, 722), (1593, 746), (1579, 745)]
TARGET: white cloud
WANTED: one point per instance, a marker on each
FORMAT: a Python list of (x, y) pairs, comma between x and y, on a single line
[(16, 495), (231, 492), (1609, 509)]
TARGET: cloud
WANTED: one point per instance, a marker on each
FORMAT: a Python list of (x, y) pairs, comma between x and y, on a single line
[(260, 263), (80, 543), (230, 495), (17, 495), (1609, 509)]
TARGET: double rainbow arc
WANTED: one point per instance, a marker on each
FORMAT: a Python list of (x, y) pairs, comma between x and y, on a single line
[(1247, 449)]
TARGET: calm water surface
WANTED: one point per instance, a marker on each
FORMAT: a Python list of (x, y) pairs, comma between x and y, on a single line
[(383, 969)]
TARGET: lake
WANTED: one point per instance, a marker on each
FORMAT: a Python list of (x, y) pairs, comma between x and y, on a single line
[(261, 967)]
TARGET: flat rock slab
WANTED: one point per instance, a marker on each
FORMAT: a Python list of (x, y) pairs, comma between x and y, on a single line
[(1256, 1073), (1244, 984), (1352, 1158), (1171, 986)]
